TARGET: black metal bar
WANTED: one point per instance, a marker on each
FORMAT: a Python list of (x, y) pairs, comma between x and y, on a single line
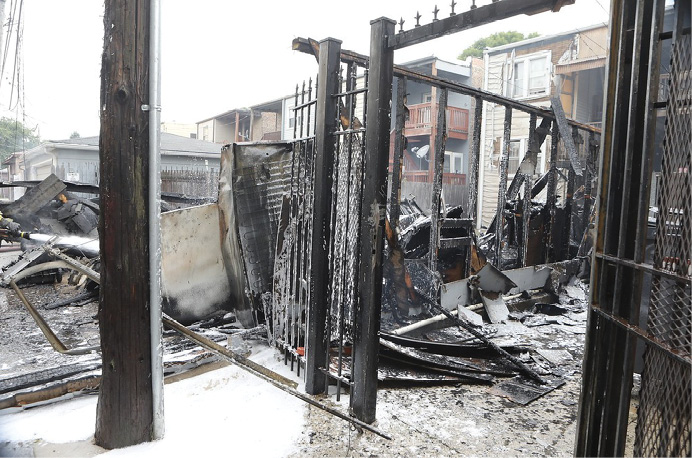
[(502, 190), (641, 333), (627, 295), (302, 105), (399, 142), (372, 222), (643, 267), (604, 402), (473, 18), (440, 141), (317, 346)]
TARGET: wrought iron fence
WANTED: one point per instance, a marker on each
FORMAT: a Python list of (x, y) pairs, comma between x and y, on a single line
[(314, 306)]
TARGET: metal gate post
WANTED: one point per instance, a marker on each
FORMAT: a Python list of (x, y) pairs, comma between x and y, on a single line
[(325, 124), (372, 220)]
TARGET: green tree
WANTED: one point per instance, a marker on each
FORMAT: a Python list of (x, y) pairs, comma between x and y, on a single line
[(496, 39), (15, 136), (75, 134)]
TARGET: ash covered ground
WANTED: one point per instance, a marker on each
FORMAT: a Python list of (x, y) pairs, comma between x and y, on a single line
[(453, 420)]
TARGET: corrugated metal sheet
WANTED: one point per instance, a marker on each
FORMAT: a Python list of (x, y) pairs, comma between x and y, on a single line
[(580, 65)]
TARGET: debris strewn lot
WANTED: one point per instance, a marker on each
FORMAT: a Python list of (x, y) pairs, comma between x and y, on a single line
[(456, 419)]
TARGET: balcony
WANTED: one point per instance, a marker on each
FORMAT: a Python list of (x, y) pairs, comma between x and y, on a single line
[(423, 176), (422, 120)]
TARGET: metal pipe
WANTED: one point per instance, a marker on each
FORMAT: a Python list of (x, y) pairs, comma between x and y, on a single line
[(54, 341), (158, 425), (279, 381)]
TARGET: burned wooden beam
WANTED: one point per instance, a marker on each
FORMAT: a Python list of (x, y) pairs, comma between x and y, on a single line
[(523, 368), (36, 197), (566, 134)]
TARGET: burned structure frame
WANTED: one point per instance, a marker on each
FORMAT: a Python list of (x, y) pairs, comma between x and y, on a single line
[(326, 305)]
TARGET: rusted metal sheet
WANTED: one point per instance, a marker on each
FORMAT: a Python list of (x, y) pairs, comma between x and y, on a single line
[(194, 281)]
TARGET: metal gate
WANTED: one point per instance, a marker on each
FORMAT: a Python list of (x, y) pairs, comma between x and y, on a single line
[(327, 295), (642, 279), (313, 307)]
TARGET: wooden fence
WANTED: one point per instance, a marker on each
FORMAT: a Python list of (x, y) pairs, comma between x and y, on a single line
[(191, 182)]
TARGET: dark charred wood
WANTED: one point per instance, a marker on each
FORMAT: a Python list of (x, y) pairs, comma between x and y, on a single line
[(125, 408)]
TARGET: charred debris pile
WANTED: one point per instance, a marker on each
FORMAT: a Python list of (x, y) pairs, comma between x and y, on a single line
[(519, 330)]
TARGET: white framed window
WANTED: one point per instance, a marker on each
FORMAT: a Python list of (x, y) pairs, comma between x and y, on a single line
[(454, 162), (517, 151), (530, 76)]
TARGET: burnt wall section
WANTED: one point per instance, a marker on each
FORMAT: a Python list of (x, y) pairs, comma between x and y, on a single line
[(253, 180), (194, 281)]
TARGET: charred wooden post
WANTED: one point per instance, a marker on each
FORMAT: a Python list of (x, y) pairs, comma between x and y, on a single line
[(527, 170), (372, 223), (501, 193), (475, 158), (588, 178), (474, 167), (551, 199), (326, 114), (440, 143), (125, 407), (399, 147)]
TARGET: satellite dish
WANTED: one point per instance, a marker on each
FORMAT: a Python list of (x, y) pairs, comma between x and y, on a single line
[(422, 151)]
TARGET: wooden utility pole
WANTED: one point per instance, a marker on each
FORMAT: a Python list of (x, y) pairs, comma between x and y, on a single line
[(125, 407)]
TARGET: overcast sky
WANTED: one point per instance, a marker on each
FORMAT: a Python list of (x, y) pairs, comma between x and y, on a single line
[(218, 54)]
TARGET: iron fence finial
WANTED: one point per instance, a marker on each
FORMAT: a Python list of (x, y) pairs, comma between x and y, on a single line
[(473, 4), (435, 11), (401, 25), (418, 16), (453, 4)]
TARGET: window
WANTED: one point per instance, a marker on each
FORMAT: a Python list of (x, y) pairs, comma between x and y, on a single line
[(517, 151), (515, 154), (205, 133), (454, 162), (292, 121), (427, 98), (530, 76)]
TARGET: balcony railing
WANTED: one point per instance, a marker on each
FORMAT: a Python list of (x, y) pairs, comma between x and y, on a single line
[(422, 176), (421, 120)]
